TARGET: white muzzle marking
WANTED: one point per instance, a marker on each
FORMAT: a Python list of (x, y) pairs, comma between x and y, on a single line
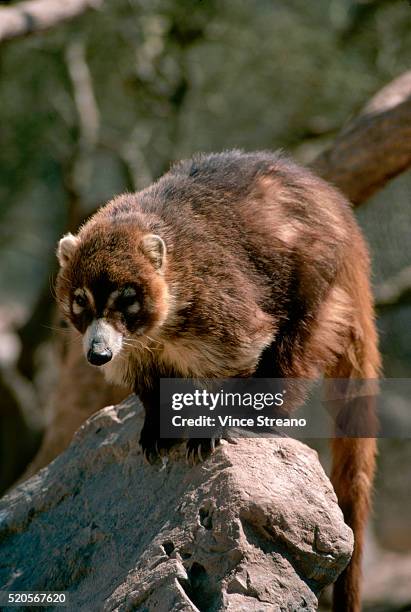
[(102, 334)]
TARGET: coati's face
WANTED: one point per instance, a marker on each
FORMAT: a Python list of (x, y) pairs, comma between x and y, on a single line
[(111, 287)]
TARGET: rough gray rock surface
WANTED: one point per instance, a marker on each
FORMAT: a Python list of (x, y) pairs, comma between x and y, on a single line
[(256, 527)]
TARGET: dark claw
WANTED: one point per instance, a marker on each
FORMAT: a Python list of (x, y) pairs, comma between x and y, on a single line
[(153, 447), (198, 449)]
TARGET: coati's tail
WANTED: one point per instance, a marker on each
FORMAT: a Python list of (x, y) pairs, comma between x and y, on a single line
[(352, 475), (354, 457)]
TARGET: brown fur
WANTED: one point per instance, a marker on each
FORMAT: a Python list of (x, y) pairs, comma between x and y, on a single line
[(261, 258), (354, 458)]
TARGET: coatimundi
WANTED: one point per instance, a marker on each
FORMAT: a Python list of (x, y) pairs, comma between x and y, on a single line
[(229, 263)]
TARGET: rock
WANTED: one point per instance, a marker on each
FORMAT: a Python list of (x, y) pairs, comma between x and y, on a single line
[(256, 527)]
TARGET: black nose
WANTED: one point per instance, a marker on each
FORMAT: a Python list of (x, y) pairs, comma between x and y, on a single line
[(98, 357)]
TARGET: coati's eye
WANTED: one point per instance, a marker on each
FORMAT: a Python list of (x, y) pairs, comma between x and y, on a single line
[(124, 300), (79, 301), (127, 301)]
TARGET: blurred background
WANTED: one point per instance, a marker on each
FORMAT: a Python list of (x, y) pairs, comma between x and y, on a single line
[(105, 103)]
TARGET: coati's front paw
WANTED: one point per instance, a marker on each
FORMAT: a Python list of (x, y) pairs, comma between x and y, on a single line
[(152, 446), (198, 449)]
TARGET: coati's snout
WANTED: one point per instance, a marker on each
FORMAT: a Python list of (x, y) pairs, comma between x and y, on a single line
[(101, 342), (98, 357)]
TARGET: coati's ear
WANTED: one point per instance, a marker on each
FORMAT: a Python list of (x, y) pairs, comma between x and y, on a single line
[(155, 249), (66, 248)]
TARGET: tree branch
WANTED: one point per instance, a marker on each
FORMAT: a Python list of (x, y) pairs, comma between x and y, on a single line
[(374, 147), (38, 15), (78, 170), (83, 93), (395, 291)]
